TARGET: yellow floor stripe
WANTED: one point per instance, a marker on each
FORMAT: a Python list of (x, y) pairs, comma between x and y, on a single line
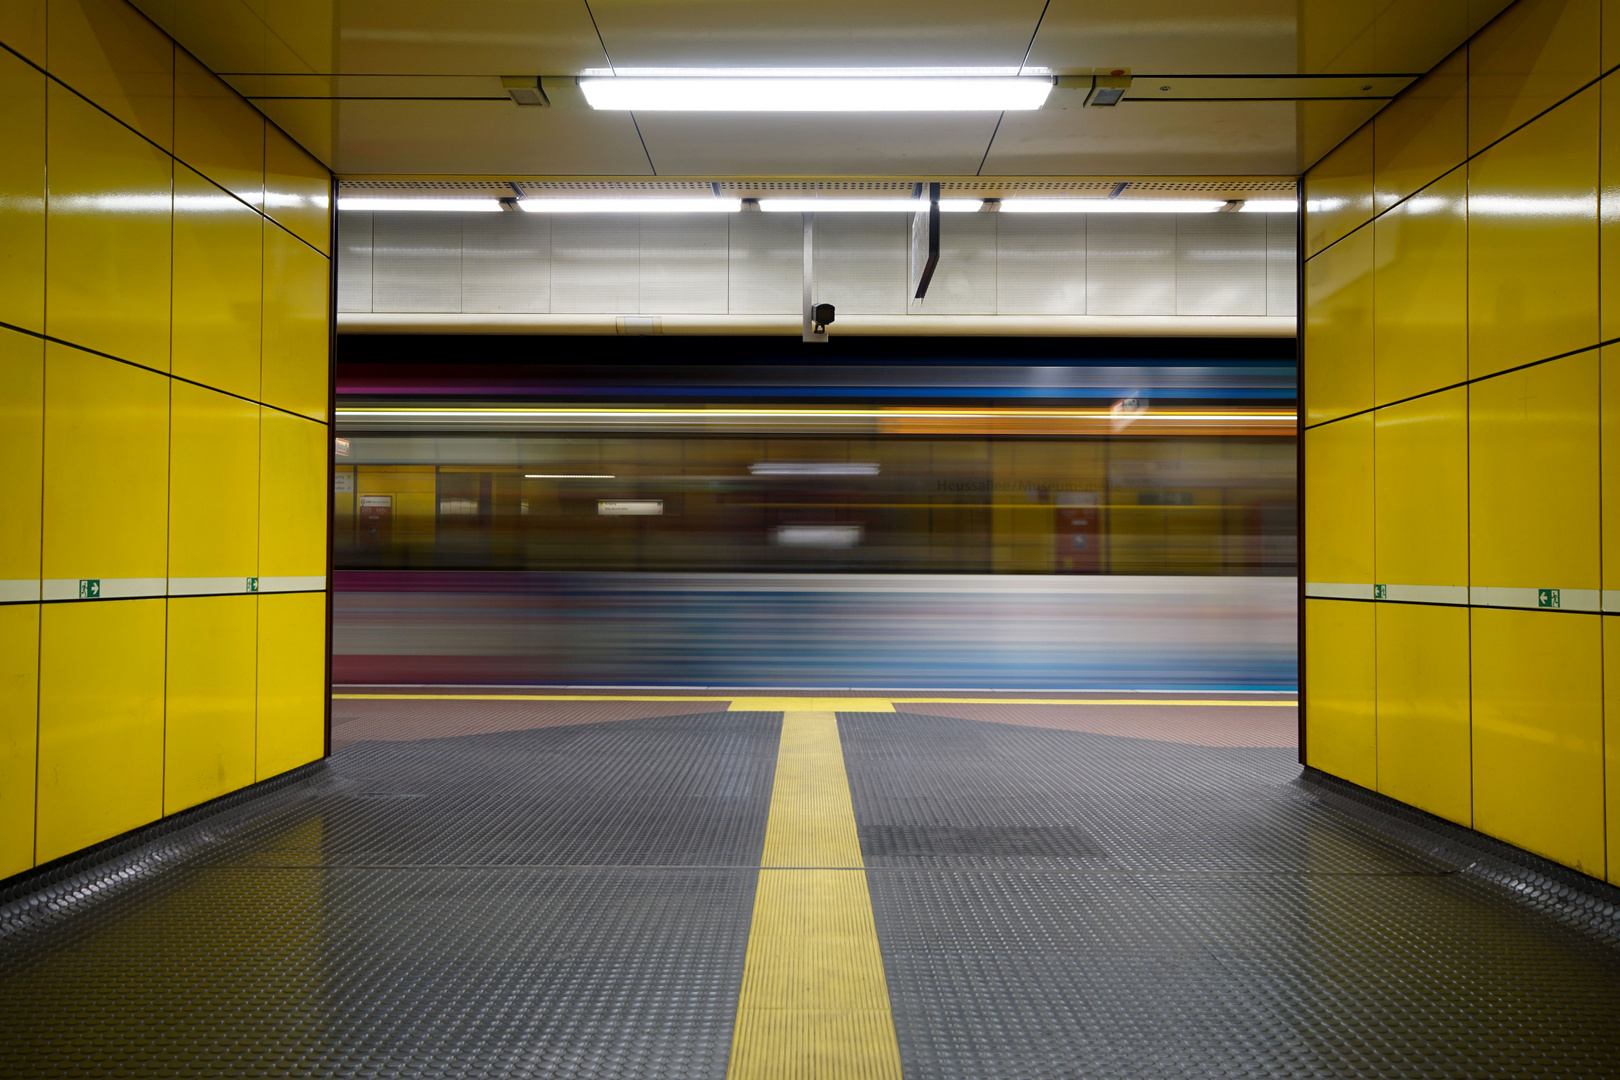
[(814, 1002), (809, 704), (781, 704)]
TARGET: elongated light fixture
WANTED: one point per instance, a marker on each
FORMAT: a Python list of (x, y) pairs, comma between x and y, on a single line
[(419, 203), (1111, 206), (818, 94), (631, 205), (864, 206)]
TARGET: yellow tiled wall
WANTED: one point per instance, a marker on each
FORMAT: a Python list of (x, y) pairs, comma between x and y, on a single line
[(164, 388), (1460, 407)]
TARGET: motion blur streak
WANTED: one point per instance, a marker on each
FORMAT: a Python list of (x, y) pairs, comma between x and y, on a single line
[(941, 631), (993, 514)]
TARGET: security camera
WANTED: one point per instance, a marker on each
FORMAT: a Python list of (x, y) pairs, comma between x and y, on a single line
[(821, 317)]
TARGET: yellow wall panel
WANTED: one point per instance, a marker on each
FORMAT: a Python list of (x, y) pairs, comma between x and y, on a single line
[(210, 739), (19, 726), (293, 492), (22, 194), (1339, 192), (22, 27), (216, 132), (1421, 491), (106, 489), (1424, 755), (1533, 241), (213, 486), (1340, 706), (100, 721), (1422, 134), (1538, 733), (1339, 335), (1339, 501), (1611, 745), (113, 55), (22, 441), (1611, 33), (1420, 323), (295, 371), (1609, 359), (297, 190), (292, 681), (1532, 56), (218, 286), (107, 238), (1533, 476), (1609, 206)]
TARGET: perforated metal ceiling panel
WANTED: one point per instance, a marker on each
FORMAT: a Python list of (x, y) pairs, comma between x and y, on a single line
[(1131, 264), (506, 262), (1041, 264), (416, 262), (1221, 264), (751, 264), (860, 262), (767, 264), (684, 264)]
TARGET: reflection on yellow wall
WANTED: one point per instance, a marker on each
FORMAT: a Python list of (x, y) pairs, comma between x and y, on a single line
[(1491, 416), (138, 196)]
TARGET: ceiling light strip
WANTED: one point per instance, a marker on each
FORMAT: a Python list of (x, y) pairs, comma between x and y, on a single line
[(818, 94)]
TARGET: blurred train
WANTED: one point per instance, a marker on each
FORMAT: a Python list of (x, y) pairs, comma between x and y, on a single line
[(947, 503), (851, 524)]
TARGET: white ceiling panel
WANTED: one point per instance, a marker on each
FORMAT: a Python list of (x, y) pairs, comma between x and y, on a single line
[(1183, 53), (1169, 36), (432, 37), (837, 33), (1171, 139), (458, 138), (796, 144)]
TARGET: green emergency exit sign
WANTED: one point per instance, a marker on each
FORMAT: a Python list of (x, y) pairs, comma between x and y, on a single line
[(1547, 598), (89, 588)]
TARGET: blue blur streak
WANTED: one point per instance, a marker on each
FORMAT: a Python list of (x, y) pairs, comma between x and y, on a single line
[(817, 630)]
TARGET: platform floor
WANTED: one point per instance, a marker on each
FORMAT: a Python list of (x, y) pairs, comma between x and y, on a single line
[(492, 883)]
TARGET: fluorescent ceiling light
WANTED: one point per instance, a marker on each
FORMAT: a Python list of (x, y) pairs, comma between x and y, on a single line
[(567, 476), (1111, 206), (1269, 206), (631, 205), (1003, 71), (353, 202), (864, 206), (830, 93)]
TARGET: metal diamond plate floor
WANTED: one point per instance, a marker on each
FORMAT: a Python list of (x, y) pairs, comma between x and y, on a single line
[(553, 889)]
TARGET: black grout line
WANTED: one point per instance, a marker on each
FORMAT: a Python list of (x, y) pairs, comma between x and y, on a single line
[(158, 371), (170, 153), (1465, 161), (165, 596), (1465, 607), (1458, 385)]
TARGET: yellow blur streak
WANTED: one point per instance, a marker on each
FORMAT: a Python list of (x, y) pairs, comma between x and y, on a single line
[(778, 704), (814, 1002)]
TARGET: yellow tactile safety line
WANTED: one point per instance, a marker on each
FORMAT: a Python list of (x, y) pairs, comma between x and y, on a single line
[(755, 704), (814, 1002)]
